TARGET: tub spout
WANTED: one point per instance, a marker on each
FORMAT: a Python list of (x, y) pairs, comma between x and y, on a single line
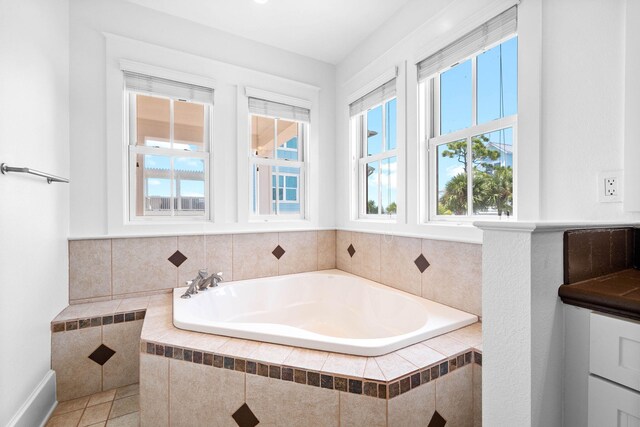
[(192, 289)]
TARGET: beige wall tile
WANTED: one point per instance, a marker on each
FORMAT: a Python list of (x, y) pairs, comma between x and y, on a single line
[(301, 252), (220, 255), (414, 408), (204, 396), (421, 355), (366, 260), (237, 347), (470, 335), (454, 397), (372, 371), (454, 276), (89, 268), (397, 267), (358, 410), (122, 369), (446, 345), (271, 353), (284, 403), (154, 390), (343, 260), (394, 366), (252, 255), (477, 395), (76, 374), (133, 304), (306, 358), (193, 248), (326, 249), (345, 364), (141, 264)]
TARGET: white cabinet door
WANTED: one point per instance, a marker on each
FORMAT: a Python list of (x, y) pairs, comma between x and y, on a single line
[(611, 405), (614, 350)]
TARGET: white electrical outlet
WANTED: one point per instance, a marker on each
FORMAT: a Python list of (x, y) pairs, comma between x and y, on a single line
[(610, 187)]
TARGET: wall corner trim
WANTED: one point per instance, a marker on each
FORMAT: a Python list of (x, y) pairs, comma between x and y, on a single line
[(39, 406)]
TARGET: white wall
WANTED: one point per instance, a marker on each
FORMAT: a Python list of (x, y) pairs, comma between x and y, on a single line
[(583, 74), (34, 218), (240, 61), (571, 104)]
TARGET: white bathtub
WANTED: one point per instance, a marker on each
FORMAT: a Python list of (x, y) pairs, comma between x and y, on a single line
[(327, 310)]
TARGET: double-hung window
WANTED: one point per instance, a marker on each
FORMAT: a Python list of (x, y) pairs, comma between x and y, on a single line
[(469, 90), (279, 134), (373, 121), (169, 131)]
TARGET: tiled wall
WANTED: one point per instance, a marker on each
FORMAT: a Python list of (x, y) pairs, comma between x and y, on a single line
[(106, 269), (443, 271), (95, 354), (249, 398), (446, 272), (596, 252)]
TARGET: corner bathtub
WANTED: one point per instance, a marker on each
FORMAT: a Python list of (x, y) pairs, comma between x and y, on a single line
[(327, 310)]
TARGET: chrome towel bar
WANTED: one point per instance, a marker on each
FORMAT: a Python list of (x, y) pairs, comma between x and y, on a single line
[(50, 178)]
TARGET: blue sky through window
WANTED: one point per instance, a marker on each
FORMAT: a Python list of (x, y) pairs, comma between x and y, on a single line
[(497, 97)]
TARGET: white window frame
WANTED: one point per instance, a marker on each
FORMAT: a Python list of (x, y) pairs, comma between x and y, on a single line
[(133, 150), (430, 90), (359, 122), (255, 161)]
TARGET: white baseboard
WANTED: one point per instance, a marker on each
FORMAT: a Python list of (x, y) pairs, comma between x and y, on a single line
[(39, 405)]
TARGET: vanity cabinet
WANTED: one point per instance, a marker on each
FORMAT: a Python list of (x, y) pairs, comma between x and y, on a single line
[(614, 372), (602, 369)]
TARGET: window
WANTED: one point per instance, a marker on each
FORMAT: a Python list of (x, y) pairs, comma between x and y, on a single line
[(278, 158), (471, 121), (169, 139), (373, 117)]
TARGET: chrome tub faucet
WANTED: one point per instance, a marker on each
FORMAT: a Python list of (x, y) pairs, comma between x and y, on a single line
[(202, 282)]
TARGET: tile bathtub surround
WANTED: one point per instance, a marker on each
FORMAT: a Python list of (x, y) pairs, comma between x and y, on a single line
[(105, 269), (381, 377), (446, 272), (597, 252), (95, 346)]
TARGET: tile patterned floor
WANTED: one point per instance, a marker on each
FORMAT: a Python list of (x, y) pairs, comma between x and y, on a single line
[(112, 408)]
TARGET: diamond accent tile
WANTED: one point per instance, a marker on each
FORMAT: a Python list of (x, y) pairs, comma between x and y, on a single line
[(437, 420), (278, 252), (422, 263), (244, 417), (102, 354), (177, 258), (351, 250)]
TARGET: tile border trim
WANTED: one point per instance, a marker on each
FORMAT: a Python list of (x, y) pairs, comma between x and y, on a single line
[(95, 321), (313, 378)]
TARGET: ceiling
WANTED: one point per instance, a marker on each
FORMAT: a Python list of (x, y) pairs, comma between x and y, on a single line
[(326, 30)]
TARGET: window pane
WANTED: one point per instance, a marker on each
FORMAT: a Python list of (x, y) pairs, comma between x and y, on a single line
[(153, 185), (391, 121), (498, 82), (374, 131), (189, 122), (388, 179), (287, 138), (452, 178), (153, 121), (290, 190), (264, 189), (493, 173), (189, 185), (262, 135), (373, 177), (455, 98), (276, 189)]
